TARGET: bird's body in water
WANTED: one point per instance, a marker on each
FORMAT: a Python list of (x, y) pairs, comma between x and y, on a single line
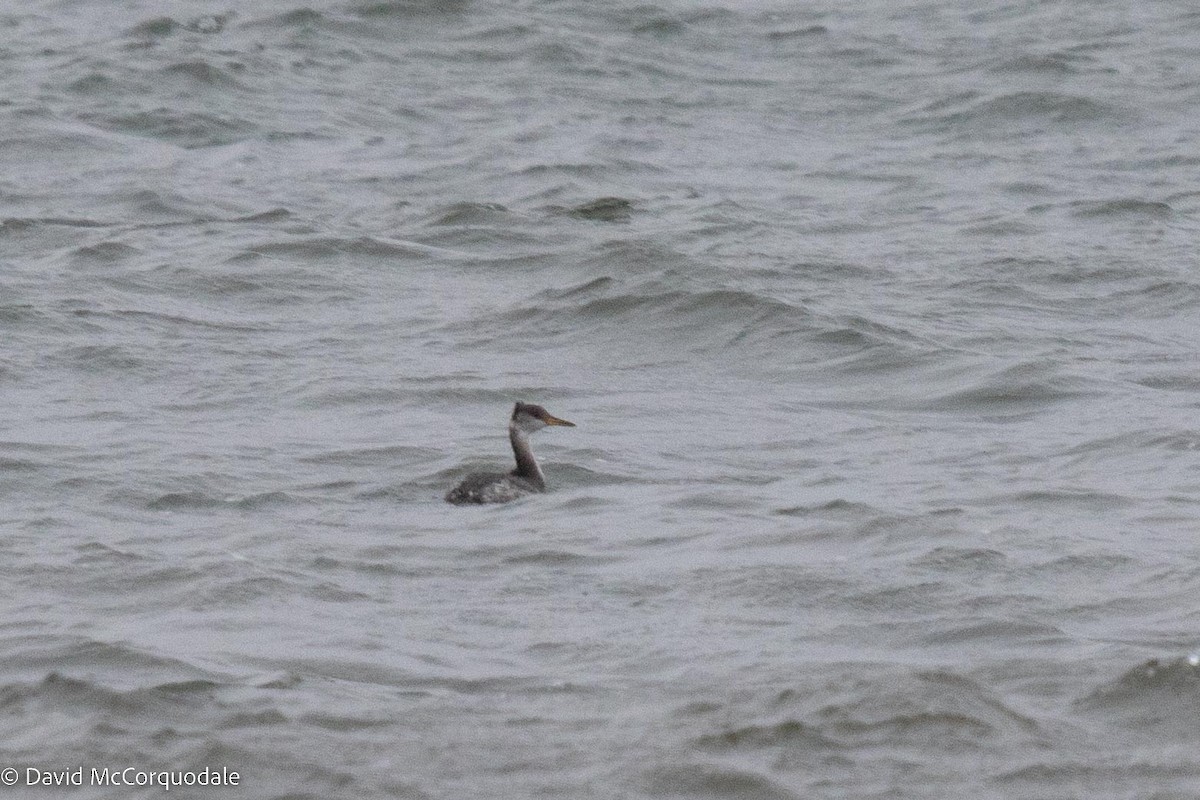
[(527, 478)]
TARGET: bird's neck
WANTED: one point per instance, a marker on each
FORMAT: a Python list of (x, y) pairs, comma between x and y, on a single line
[(527, 466)]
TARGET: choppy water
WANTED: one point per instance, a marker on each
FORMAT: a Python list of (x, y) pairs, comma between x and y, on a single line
[(878, 322)]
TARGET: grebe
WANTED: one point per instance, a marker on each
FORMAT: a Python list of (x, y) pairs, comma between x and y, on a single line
[(495, 487)]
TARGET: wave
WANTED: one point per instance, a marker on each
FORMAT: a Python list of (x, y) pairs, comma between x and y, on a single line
[(692, 779), (718, 322), (188, 129), (1055, 107), (194, 499), (406, 9), (970, 114), (1025, 387), (304, 17), (162, 27), (1153, 686), (779, 738), (1156, 697), (1131, 207), (201, 73)]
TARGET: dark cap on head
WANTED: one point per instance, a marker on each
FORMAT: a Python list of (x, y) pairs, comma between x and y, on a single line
[(537, 412), (528, 408)]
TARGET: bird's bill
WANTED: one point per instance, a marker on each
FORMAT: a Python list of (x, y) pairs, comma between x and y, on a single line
[(552, 420)]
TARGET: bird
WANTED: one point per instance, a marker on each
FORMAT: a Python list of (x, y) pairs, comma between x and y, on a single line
[(527, 478)]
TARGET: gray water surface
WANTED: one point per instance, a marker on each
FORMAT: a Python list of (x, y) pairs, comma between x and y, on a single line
[(878, 322)]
